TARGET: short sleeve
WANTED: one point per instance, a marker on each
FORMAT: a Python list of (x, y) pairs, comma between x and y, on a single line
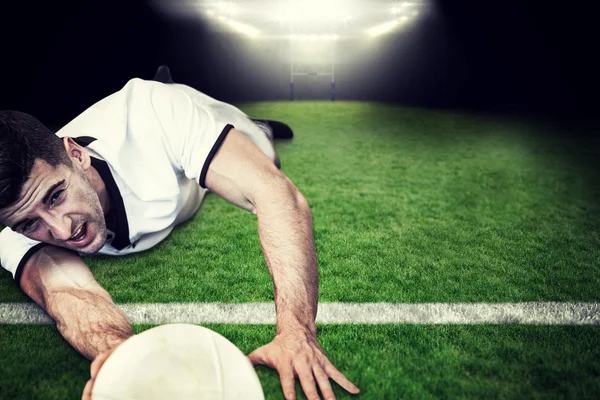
[(193, 131), (15, 250)]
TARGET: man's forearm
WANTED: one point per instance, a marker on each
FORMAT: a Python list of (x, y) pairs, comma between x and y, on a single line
[(88, 320), (286, 234)]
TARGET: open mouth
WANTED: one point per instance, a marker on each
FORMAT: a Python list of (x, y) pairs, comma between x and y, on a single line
[(80, 235)]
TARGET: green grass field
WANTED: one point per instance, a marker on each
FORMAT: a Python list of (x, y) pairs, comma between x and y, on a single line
[(409, 206)]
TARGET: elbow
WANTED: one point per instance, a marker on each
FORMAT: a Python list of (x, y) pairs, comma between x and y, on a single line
[(299, 204), (301, 201), (283, 193), (291, 192)]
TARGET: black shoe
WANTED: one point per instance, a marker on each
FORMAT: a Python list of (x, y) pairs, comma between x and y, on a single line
[(280, 130), (163, 74)]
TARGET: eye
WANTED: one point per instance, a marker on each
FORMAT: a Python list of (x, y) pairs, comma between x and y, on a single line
[(56, 196), (28, 227)]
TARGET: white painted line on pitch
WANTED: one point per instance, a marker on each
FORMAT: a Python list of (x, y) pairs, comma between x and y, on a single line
[(543, 313)]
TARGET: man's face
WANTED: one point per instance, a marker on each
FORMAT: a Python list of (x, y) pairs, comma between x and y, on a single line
[(59, 206)]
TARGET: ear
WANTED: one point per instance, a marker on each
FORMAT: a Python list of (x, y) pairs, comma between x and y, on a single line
[(79, 155)]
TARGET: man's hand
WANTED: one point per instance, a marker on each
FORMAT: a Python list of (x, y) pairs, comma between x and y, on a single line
[(94, 368), (299, 355)]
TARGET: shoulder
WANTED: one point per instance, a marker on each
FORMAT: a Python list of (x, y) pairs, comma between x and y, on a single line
[(113, 115)]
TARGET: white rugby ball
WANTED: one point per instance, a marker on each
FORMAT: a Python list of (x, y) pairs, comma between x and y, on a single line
[(177, 362)]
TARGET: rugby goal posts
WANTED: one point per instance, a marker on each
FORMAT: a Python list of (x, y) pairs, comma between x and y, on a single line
[(314, 41)]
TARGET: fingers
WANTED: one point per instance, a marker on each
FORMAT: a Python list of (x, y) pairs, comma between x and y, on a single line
[(288, 382), (258, 357), (87, 391), (99, 361), (94, 368), (340, 378), (323, 381), (96, 364), (295, 357), (305, 374)]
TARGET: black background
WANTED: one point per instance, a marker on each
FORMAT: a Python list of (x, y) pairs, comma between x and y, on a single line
[(534, 58)]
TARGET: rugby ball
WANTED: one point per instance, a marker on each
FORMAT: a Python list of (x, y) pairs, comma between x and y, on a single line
[(177, 362)]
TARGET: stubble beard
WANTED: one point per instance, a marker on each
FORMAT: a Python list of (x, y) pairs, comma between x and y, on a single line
[(96, 216)]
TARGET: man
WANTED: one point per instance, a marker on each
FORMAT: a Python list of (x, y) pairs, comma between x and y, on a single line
[(118, 178)]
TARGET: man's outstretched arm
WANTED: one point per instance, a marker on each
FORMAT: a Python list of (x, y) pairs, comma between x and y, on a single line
[(243, 175), (61, 283)]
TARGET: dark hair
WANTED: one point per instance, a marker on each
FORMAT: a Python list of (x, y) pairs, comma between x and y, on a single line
[(23, 139)]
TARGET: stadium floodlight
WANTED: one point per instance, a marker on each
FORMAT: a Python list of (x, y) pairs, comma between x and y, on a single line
[(312, 11), (383, 28)]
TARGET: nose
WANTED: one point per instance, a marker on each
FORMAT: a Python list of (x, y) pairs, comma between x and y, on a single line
[(59, 227)]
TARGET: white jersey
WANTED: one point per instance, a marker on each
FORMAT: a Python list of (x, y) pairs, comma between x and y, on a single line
[(152, 144)]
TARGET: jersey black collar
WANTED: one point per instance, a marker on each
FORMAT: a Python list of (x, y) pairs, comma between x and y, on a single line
[(121, 239)]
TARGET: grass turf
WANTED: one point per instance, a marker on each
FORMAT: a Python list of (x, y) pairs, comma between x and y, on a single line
[(408, 205), (384, 361)]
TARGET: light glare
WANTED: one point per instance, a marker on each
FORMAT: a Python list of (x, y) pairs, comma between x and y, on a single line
[(227, 8), (279, 18), (244, 29), (316, 38), (382, 28), (312, 11)]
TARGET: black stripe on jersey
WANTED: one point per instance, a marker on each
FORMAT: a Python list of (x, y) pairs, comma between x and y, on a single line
[(26, 257), (213, 151), (121, 239)]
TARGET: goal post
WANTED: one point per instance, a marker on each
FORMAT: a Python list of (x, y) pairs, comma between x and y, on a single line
[(318, 39)]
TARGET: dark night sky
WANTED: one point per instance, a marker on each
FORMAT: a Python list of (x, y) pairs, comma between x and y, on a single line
[(510, 56)]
